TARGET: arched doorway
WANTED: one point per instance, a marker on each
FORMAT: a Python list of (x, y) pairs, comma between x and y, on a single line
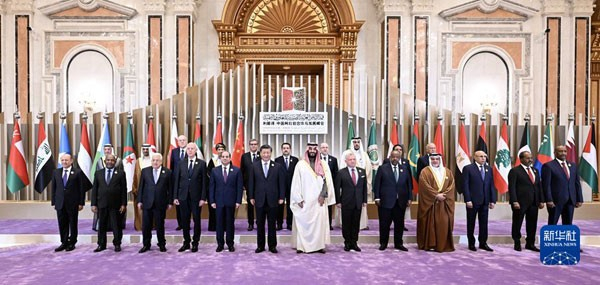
[(90, 83), (485, 84)]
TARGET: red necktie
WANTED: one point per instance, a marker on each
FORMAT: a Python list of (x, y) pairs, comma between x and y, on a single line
[(225, 175), (530, 175), (353, 177), (564, 166)]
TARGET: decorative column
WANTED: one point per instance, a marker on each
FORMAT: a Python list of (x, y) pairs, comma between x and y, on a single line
[(582, 11), (184, 19), (553, 12), (155, 11), (22, 11), (421, 11)]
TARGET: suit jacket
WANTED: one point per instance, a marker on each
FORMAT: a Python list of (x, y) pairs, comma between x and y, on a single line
[(157, 194), (557, 188), (388, 190), (333, 166), (349, 195), (113, 195), (267, 191), (477, 190), (246, 167), (422, 162), (175, 158), (191, 185), (402, 161), (73, 194), (289, 172), (521, 189), (225, 193)]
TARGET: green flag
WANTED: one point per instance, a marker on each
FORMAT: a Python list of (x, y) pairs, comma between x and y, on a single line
[(372, 148), (413, 155), (129, 158), (350, 135)]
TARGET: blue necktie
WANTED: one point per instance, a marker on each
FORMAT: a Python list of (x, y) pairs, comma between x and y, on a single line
[(482, 172), (396, 173), (190, 168), (265, 169), (108, 176), (65, 178)]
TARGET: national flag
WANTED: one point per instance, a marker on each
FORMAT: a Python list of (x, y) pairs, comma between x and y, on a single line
[(588, 165), (129, 159), (393, 140), (414, 154), (104, 139), (502, 161), (350, 135), (217, 138), (545, 152), (524, 145), (570, 144), (44, 162), (238, 147), (438, 139), (17, 176), (462, 148), (84, 156), (150, 139), (481, 141), (64, 146), (372, 148), (173, 142), (198, 139)]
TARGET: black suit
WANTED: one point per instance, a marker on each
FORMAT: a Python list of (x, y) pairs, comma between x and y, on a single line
[(108, 198), (266, 193), (422, 162), (351, 197), (562, 191), (212, 221), (289, 174), (122, 217), (66, 199), (529, 195), (155, 198), (246, 169), (175, 159), (225, 194), (481, 192), (393, 196), (333, 167), (190, 188)]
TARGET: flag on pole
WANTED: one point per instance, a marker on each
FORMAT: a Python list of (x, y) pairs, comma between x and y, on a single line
[(438, 139), (84, 156), (350, 135), (545, 152), (238, 148), (481, 141), (372, 149), (198, 139), (393, 140), (173, 142), (502, 161), (104, 139), (524, 145), (217, 138), (17, 176), (462, 148), (64, 146), (44, 162), (129, 159), (413, 155), (150, 139), (588, 165), (570, 143)]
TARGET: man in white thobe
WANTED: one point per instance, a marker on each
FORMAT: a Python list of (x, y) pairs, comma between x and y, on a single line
[(363, 161), (311, 194)]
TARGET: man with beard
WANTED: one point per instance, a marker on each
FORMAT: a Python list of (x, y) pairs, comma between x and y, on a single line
[(363, 161), (562, 188), (312, 192)]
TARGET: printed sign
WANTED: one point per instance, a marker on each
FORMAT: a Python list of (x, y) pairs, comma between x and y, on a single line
[(293, 123)]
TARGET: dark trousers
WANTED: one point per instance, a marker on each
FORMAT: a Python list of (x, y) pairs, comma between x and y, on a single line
[(270, 215), (67, 224), (480, 212), (530, 213), (225, 223), (564, 211), (153, 216), (96, 222), (212, 221), (290, 216), (104, 216), (386, 217), (189, 208), (330, 213), (351, 222), (249, 211), (178, 213)]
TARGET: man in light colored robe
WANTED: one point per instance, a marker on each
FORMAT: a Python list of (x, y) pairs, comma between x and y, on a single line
[(312, 192), (363, 161)]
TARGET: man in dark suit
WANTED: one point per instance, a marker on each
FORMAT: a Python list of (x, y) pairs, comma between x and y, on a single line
[(154, 198), (393, 194), (190, 194), (288, 162), (266, 192), (333, 167), (212, 163), (525, 192), (561, 186), (68, 198), (351, 196), (109, 149), (424, 159), (480, 196), (109, 201), (403, 161), (247, 159), (225, 195), (177, 155)]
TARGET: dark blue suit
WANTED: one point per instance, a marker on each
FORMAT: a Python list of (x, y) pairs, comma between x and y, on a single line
[(190, 188), (155, 198), (393, 197), (108, 198), (266, 193), (289, 173), (225, 194), (66, 200), (351, 197), (175, 159), (565, 193), (334, 168), (481, 192)]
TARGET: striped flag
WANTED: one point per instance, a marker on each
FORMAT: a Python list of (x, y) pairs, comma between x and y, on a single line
[(462, 148), (413, 155), (588, 165), (16, 170), (198, 139), (481, 141), (438, 139), (217, 138), (129, 158), (150, 139), (502, 161), (173, 142), (393, 140), (570, 143), (44, 162), (238, 147), (545, 152), (104, 139), (84, 156), (524, 145)]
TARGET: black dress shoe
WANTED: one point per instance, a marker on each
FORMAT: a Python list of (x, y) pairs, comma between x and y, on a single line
[(250, 228), (219, 248), (273, 250), (259, 250), (485, 247), (117, 248), (279, 227), (299, 251), (100, 248), (322, 250), (145, 248), (61, 248), (289, 228), (231, 248), (518, 246), (356, 248), (184, 247), (162, 248), (405, 229), (472, 247), (346, 248), (532, 247), (178, 228), (401, 247), (330, 228), (195, 248), (382, 247), (71, 247)]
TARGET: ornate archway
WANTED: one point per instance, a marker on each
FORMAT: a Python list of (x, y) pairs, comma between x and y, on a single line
[(291, 32)]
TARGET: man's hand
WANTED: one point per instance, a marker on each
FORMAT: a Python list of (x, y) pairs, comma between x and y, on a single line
[(339, 205), (122, 209), (541, 205), (550, 204), (252, 202), (201, 203), (301, 204), (407, 204), (321, 201), (364, 205), (492, 205), (578, 204), (169, 206), (140, 205), (94, 209), (214, 205), (176, 202), (80, 207), (377, 202), (440, 197), (237, 205), (280, 201), (470, 205), (516, 206)]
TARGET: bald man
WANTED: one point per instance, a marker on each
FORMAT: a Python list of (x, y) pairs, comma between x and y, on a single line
[(424, 159)]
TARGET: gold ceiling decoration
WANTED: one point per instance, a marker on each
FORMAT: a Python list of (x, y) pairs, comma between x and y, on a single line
[(287, 16)]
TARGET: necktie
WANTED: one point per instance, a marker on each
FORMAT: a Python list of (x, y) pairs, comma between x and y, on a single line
[(482, 172), (65, 177), (265, 169), (253, 157), (108, 176), (353, 177), (530, 175), (396, 173), (190, 167), (323, 157), (287, 164), (181, 154), (564, 166), (155, 176), (225, 174)]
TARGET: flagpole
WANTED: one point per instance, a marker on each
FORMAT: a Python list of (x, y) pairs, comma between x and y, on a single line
[(593, 125), (17, 118)]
